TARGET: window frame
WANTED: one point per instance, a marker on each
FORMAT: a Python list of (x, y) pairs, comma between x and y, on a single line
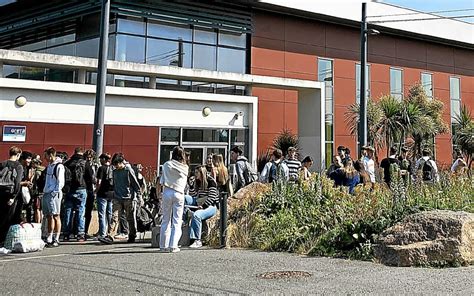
[(368, 82), (432, 83), (332, 141), (401, 81)]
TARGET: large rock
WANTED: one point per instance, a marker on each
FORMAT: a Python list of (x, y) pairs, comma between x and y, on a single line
[(434, 238)]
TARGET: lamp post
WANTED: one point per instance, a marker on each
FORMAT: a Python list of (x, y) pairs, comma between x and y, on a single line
[(364, 32), (98, 135)]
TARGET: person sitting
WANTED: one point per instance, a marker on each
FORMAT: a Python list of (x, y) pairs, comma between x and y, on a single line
[(205, 196)]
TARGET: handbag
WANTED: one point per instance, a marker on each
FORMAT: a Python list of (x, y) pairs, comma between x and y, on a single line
[(25, 193)]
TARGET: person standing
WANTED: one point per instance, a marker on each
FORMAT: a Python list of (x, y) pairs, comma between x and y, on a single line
[(369, 163), (173, 181), (221, 174), (426, 168), (37, 189), (305, 165), (26, 186), (77, 196), (90, 177), (293, 164), (351, 176), (105, 193), (405, 165), (389, 164), (127, 195), (244, 174), (275, 170), (11, 173), (53, 195), (459, 164)]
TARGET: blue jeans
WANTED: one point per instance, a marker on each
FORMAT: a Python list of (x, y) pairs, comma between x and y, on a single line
[(198, 217), (75, 201), (104, 211)]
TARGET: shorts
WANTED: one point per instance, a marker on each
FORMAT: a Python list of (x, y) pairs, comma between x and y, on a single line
[(51, 203)]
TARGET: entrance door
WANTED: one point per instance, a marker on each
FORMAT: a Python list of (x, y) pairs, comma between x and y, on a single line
[(199, 154)]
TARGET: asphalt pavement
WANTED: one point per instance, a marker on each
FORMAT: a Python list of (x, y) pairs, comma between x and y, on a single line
[(133, 269)]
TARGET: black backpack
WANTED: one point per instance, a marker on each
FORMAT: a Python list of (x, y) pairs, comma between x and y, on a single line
[(250, 175), (77, 169), (427, 171), (8, 177), (67, 177), (145, 219)]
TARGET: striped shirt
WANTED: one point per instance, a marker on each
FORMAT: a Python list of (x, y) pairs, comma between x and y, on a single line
[(206, 197), (294, 166)]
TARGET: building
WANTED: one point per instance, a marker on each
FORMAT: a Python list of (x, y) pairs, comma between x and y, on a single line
[(212, 74)]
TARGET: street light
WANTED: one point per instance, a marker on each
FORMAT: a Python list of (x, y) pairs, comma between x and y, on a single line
[(362, 134)]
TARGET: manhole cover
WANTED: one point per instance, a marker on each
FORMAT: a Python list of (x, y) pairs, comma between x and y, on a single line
[(284, 275)]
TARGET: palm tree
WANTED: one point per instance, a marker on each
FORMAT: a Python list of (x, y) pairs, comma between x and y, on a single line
[(463, 134), (391, 125)]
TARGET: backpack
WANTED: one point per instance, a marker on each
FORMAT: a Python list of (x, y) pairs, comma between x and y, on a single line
[(250, 175), (427, 170), (67, 177), (145, 219), (8, 179), (275, 172), (77, 170)]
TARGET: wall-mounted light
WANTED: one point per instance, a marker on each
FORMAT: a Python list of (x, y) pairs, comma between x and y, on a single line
[(206, 111), (20, 101)]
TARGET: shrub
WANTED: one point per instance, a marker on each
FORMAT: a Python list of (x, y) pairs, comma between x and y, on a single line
[(317, 219)]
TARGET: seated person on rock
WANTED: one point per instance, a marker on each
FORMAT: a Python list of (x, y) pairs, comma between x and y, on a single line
[(203, 195)]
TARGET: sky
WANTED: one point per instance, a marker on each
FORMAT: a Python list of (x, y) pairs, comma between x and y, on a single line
[(438, 5)]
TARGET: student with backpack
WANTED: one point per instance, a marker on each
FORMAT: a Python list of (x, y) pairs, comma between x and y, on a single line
[(426, 168), (105, 193), (52, 197), (275, 170), (244, 173), (77, 196), (11, 173)]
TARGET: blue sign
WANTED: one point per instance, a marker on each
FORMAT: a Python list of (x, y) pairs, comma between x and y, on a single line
[(14, 133)]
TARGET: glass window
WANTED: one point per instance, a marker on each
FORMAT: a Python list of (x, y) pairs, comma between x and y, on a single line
[(367, 82), (88, 48), (165, 153), (396, 84), (204, 57), (169, 31), (427, 83), (205, 36), (329, 129), (231, 60), (32, 73), (206, 135), (129, 81), (130, 49), (61, 40), (329, 153), (34, 46), (238, 136), (68, 50), (233, 39), (170, 135), (192, 135), (167, 53), (11, 71), (131, 26), (59, 75), (325, 71), (455, 95)]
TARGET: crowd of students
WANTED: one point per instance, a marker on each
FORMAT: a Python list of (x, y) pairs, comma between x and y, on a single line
[(65, 189)]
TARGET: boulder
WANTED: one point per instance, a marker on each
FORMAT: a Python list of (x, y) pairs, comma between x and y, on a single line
[(433, 238)]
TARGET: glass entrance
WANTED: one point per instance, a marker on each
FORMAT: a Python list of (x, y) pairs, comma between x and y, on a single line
[(199, 154)]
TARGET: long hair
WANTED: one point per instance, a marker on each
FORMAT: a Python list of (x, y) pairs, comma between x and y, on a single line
[(349, 169), (202, 184), (222, 173)]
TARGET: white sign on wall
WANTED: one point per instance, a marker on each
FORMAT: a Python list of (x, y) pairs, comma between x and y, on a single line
[(14, 133)]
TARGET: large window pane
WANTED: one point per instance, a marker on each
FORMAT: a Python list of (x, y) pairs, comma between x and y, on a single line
[(59, 75), (396, 85), (367, 82), (325, 71), (427, 83), (11, 71), (231, 60), (168, 31), (32, 73), (455, 108), (167, 53), (233, 39), (329, 153), (204, 57), (329, 131), (170, 135), (131, 26), (454, 88), (68, 50), (88, 48), (165, 153), (61, 40), (205, 36), (129, 81), (130, 49)]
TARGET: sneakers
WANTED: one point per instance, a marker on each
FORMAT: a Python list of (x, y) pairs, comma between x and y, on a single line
[(81, 238), (121, 236), (53, 244), (197, 244), (105, 240), (174, 250), (164, 250)]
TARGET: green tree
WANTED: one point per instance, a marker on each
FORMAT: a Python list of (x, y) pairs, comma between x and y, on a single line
[(463, 134)]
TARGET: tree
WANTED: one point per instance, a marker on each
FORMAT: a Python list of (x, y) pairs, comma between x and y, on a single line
[(463, 134), (285, 140)]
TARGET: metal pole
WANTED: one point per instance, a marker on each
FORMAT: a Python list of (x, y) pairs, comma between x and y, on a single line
[(363, 86), (98, 138), (223, 220)]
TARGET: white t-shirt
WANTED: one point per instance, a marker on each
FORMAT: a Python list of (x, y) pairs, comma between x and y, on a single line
[(369, 165)]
